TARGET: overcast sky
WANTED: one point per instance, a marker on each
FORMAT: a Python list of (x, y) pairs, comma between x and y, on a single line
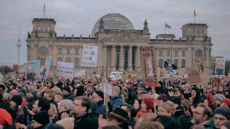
[(79, 16)]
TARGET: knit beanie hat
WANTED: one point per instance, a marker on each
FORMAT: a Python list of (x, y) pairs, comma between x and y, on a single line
[(67, 103), (17, 99), (223, 111), (42, 118), (148, 102), (175, 99), (218, 97), (100, 93)]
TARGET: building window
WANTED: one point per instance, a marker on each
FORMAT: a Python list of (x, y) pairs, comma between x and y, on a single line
[(176, 62), (43, 51), (76, 51), (183, 63), (126, 58), (117, 58), (76, 62), (176, 53), (183, 53), (68, 59), (59, 51), (168, 53), (160, 53), (68, 51), (160, 63), (198, 53), (59, 59)]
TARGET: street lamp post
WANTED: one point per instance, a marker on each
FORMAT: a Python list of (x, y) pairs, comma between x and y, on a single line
[(18, 46)]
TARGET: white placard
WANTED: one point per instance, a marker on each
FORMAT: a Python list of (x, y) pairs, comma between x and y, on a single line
[(80, 73), (108, 89), (89, 56), (65, 69)]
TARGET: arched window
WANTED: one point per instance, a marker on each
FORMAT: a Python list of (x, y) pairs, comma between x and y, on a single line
[(176, 62), (76, 51), (198, 53), (183, 63), (168, 53), (68, 59), (183, 53), (76, 62), (68, 51), (43, 51), (160, 63), (160, 53), (59, 59), (175, 53), (59, 51)]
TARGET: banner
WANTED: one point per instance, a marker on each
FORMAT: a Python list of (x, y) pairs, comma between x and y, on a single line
[(32, 68), (89, 56), (80, 73), (65, 69), (46, 68), (149, 67), (220, 66)]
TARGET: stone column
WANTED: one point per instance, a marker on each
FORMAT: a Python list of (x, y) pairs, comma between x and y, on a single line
[(138, 59), (121, 58), (130, 59), (105, 60), (190, 57), (113, 60)]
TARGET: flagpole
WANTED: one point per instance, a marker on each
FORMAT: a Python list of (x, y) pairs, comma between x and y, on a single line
[(194, 16), (44, 10), (165, 29)]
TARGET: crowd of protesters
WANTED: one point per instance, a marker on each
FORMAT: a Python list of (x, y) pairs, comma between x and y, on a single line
[(82, 104)]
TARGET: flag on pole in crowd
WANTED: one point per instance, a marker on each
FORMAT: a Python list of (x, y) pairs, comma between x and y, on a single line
[(169, 67), (167, 26)]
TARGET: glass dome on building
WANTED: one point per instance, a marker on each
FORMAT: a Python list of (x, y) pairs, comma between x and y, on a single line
[(113, 21)]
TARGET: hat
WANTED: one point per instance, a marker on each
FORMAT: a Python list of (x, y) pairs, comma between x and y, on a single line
[(17, 99), (119, 114), (148, 102), (6, 118), (175, 99), (223, 111), (186, 103), (42, 117), (100, 93), (67, 103), (163, 97), (218, 97), (66, 88), (226, 101)]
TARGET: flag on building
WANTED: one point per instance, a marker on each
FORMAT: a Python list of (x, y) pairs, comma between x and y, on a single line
[(167, 26), (169, 66), (194, 13)]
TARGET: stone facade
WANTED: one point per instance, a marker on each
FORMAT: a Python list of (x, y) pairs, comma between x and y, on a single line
[(120, 45)]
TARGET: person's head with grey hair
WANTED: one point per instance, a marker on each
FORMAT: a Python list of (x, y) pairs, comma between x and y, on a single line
[(116, 91)]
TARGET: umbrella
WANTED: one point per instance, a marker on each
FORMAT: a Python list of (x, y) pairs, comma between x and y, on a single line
[(152, 84)]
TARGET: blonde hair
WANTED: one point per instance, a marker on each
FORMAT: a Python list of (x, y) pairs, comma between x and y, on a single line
[(168, 106)]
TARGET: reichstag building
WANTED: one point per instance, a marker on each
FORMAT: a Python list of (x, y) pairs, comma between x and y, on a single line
[(120, 45)]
